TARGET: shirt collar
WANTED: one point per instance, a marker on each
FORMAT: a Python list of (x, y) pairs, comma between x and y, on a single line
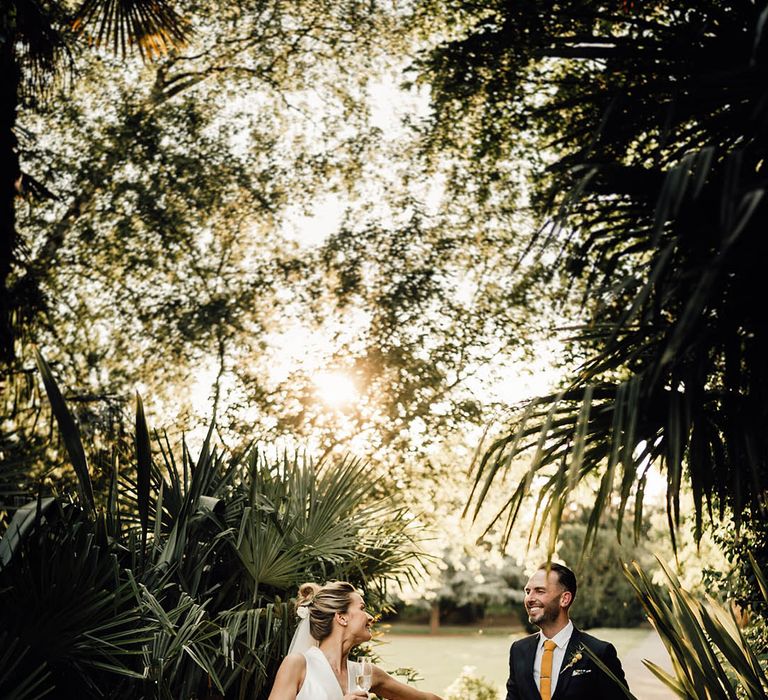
[(561, 638)]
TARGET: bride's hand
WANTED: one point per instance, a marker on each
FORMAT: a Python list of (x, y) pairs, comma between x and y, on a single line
[(356, 695)]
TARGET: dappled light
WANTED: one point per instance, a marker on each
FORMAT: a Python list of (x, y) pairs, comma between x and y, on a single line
[(336, 389)]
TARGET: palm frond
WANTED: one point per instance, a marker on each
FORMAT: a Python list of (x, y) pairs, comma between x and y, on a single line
[(666, 381), (24, 520), (40, 43), (184, 579), (30, 685), (152, 26)]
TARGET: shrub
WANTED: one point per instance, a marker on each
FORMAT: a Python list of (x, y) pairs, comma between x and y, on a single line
[(468, 686)]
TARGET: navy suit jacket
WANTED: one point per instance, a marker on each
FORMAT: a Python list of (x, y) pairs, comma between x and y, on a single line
[(582, 680)]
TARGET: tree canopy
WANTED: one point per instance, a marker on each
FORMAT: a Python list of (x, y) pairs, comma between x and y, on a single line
[(162, 254), (159, 242)]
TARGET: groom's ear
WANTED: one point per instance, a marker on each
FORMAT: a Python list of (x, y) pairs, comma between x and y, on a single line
[(566, 598)]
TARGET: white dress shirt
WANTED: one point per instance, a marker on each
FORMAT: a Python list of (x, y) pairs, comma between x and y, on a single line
[(561, 639)]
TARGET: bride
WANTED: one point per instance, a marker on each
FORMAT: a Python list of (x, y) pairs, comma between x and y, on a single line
[(333, 620)]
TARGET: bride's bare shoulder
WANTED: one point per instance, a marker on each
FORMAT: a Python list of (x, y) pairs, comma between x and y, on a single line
[(295, 659), (294, 662), (289, 678)]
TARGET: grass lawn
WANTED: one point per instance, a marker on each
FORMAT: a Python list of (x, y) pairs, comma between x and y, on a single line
[(440, 658)]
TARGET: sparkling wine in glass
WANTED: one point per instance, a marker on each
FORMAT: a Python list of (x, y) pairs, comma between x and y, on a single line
[(364, 675)]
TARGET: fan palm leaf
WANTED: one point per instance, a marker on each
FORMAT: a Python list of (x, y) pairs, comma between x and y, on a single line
[(152, 26), (40, 42), (32, 684), (64, 599)]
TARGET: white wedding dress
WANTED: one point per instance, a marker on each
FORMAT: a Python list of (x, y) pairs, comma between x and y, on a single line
[(319, 681)]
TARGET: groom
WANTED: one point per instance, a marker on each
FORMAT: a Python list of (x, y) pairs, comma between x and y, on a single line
[(552, 664)]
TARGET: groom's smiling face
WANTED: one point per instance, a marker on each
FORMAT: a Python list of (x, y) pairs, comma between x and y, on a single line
[(543, 596)]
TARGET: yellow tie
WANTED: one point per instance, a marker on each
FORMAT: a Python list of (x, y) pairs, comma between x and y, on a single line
[(546, 670)]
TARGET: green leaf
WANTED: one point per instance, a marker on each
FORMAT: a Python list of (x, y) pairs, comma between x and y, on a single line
[(69, 432), (607, 671), (709, 654), (143, 468)]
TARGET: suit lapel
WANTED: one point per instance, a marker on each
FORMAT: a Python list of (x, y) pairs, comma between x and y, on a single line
[(526, 668), (565, 673)]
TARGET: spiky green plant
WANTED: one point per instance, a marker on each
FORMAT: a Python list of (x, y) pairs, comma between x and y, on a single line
[(177, 582), (711, 658)]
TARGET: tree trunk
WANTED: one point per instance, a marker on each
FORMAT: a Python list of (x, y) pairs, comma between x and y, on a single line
[(9, 175), (434, 618)]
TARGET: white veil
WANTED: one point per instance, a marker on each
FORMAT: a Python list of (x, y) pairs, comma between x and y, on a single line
[(302, 638)]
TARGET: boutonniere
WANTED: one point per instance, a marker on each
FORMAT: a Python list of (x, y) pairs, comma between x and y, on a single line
[(575, 658)]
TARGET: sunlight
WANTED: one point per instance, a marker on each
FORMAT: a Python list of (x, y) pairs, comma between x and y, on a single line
[(336, 389)]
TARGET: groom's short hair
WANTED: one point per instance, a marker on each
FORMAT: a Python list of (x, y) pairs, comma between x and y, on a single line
[(566, 578)]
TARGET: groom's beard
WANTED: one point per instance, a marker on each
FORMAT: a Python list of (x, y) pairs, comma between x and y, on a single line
[(547, 613)]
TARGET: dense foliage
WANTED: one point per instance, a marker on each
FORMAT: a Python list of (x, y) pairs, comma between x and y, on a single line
[(180, 243), (37, 40), (177, 580), (469, 584), (605, 598), (149, 237), (651, 117), (740, 581)]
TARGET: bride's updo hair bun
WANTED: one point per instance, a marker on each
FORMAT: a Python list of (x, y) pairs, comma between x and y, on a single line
[(307, 592), (323, 602)]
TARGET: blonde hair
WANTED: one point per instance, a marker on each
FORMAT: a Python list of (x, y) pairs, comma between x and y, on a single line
[(322, 603)]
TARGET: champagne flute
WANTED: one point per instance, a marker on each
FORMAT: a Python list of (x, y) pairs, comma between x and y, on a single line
[(364, 675)]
